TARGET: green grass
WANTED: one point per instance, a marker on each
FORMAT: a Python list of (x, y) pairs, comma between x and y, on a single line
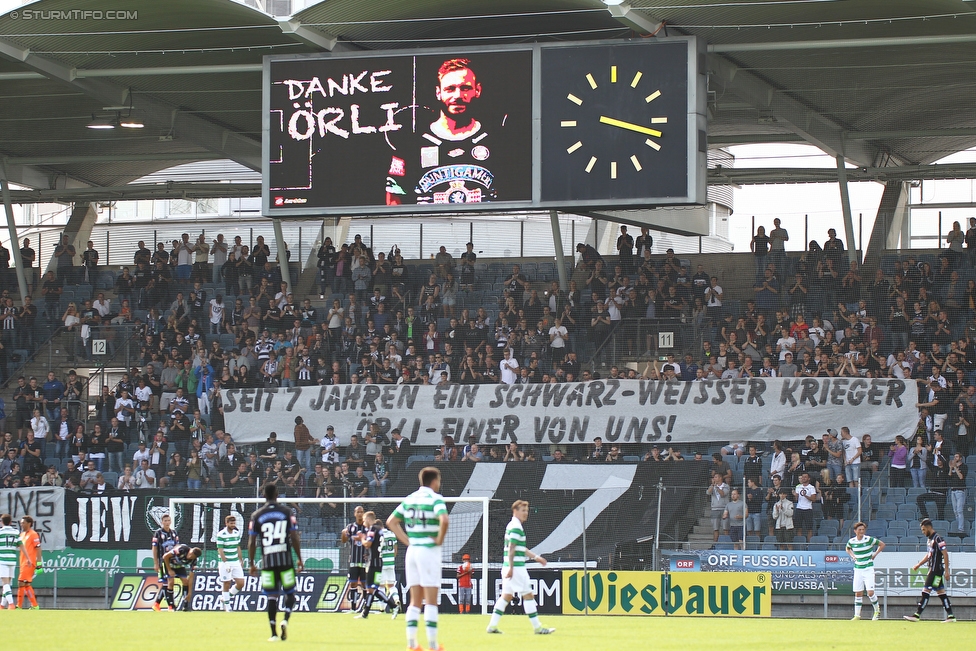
[(107, 630)]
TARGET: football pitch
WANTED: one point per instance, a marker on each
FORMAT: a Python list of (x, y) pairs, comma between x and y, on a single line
[(81, 630)]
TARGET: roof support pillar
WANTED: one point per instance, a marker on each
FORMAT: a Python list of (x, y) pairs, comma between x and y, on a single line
[(12, 229), (845, 204), (282, 253), (78, 230), (557, 243)]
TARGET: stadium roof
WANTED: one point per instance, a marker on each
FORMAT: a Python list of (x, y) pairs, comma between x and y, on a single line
[(883, 82)]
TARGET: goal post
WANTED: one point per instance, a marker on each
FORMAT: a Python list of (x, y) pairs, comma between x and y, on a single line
[(325, 517)]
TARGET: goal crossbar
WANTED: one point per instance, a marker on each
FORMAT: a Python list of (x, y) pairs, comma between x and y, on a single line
[(473, 501)]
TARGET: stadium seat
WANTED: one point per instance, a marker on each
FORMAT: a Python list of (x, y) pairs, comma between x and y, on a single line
[(896, 496), (768, 547), (912, 494), (819, 543), (723, 546), (51, 461), (724, 538), (942, 526), (753, 540), (886, 513), (829, 528), (901, 523), (896, 531), (111, 478), (769, 539)]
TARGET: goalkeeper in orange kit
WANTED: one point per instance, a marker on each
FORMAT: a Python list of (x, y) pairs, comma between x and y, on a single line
[(30, 560)]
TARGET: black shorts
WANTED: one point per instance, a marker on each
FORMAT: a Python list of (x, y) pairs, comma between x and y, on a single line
[(357, 574), (178, 572), (935, 582), (277, 580), (371, 573), (803, 519)]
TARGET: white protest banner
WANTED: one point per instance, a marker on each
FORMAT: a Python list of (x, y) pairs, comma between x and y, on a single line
[(45, 505), (894, 576), (619, 411)]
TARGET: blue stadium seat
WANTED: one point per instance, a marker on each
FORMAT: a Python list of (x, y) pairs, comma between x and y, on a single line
[(829, 528), (896, 496), (769, 539), (897, 532), (767, 547), (723, 546), (725, 538), (819, 543), (886, 513), (905, 524), (111, 478), (942, 526), (912, 494), (52, 461)]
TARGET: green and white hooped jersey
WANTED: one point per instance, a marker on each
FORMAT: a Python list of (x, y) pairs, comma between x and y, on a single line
[(863, 549), (230, 542), (9, 545), (388, 548), (514, 534), (420, 513)]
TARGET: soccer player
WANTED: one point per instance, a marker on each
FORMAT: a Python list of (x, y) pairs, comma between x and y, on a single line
[(30, 560), (230, 570), (515, 578), (372, 543), (863, 550), (388, 552), (277, 527), (464, 573), (420, 524), (164, 540), (9, 542), (354, 534), (937, 559), (180, 563)]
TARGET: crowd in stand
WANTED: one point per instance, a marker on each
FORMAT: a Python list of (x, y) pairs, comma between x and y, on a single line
[(374, 322)]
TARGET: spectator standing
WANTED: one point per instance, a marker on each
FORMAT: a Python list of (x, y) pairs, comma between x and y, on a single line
[(805, 494), (852, 457), (218, 249), (735, 516), (718, 494), (760, 250), (303, 443), (625, 249), (958, 472), (64, 253), (778, 237)]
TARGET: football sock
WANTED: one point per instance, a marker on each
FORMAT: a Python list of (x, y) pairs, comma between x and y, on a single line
[(529, 606), (500, 605), (413, 618), (946, 604), (234, 590), (922, 603), (160, 595), (7, 595), (273, 615), (382, 596), (430, 619), (225, 598), (467, 608), (353, 598), (169, 598), (874, 602), (33, 598), (857, 606), (289, 605), (368, 603), (20, 596), (461, 608)]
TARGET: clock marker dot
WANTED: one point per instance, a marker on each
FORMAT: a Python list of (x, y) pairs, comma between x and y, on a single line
[(589, 166), (613, 74), (637, 78), (589, 78), (653, 96), (637, 165), (613, 169), (653, 145), (567, 123), (573, 147), (574, 99), (659, 120)]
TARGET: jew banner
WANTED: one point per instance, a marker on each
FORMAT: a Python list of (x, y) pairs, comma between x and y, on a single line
[(618, 411)]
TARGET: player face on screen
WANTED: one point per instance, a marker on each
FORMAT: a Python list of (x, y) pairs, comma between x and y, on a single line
[(457, 87)]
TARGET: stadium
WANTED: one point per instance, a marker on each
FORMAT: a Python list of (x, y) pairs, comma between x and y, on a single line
[(688, 289)]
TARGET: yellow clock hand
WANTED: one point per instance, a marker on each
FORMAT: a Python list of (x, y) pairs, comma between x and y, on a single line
[(632, 127)]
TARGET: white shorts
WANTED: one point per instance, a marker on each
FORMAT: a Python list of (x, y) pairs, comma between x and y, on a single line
[(230, 570), (423, 567), (8, 571), (864, 580), (519, 583), (388, 575)]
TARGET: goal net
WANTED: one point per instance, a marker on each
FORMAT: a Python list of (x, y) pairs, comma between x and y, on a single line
[(321, 522)]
